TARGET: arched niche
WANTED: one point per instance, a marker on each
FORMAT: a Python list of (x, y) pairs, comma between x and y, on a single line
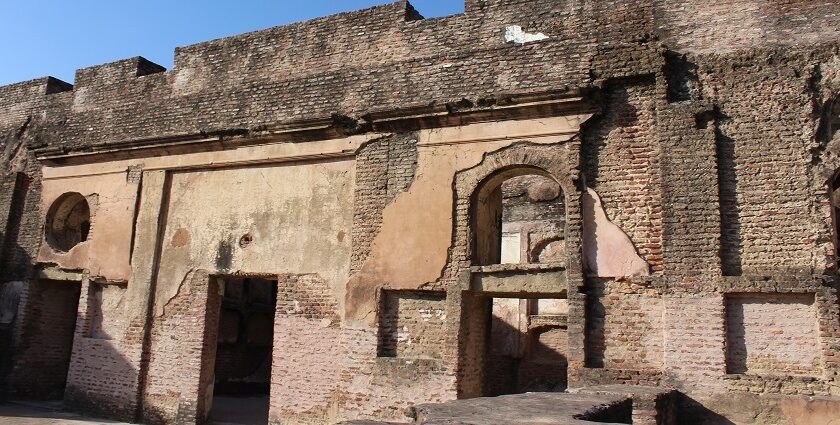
[(477, 202), (514, 212)]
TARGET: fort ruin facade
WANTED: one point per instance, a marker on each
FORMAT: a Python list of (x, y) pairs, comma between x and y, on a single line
[(372, 211)]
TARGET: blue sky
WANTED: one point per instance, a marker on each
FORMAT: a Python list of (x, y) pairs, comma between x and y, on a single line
[(49, 37)]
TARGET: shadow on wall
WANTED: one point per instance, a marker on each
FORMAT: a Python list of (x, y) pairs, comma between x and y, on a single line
[(535, 366), (10, 295), (693, 412), (618, 112), (47, 328), (730, 217), (58, 355)]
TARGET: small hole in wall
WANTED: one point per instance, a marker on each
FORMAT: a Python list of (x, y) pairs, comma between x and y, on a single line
[(246, 240), (702, 119)]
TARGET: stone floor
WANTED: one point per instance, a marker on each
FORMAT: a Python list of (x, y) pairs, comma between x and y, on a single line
[(239, 411), (525, 409), (530, 409), (227, 411), (44, 414)]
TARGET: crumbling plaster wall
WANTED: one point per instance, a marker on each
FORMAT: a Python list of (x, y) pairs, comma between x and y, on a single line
[(112, 200), (297, 219), (411, 248), (621, 156), (751, 120)]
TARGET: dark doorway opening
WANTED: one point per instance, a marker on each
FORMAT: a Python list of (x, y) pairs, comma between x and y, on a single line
[(41, 366), (244, 352), (526, 346)]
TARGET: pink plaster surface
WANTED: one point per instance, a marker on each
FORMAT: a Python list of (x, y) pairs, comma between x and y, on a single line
[(607, 250), (106, 253)]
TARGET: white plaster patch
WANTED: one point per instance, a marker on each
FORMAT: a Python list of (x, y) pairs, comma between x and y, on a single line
[(515, 34), (404, 336), (511, 248)]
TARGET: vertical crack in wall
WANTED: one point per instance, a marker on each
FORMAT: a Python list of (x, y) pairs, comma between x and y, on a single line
[(135, 175)]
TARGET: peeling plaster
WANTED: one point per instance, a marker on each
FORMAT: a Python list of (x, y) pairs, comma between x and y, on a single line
[(174, 291), (412, 246), (293, 225), (607, 250), (112, 202)]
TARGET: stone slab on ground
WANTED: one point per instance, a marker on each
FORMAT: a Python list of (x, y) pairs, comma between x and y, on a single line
[(520, 409)]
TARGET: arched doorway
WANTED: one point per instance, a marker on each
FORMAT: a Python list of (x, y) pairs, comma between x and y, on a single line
[(518, 223)]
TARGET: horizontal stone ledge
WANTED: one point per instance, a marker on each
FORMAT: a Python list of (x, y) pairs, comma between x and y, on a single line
[(524, 281)]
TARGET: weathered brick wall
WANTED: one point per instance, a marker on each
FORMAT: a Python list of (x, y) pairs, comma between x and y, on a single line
[(309, 351), (13, 258), (46, 341), (471, 345), (731, 25), (772, 334), (691, 215), (544, 367), (713, 164), (625, 326), (694, 348), (182, 348), (384, 387), (436, 60), (23, 114), (102, 378), (766, 159), (621, 157), (23, 120), (324, 372), (384, 168), (412, 325)]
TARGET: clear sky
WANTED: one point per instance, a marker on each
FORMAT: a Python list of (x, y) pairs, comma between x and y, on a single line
[(55, 37)]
